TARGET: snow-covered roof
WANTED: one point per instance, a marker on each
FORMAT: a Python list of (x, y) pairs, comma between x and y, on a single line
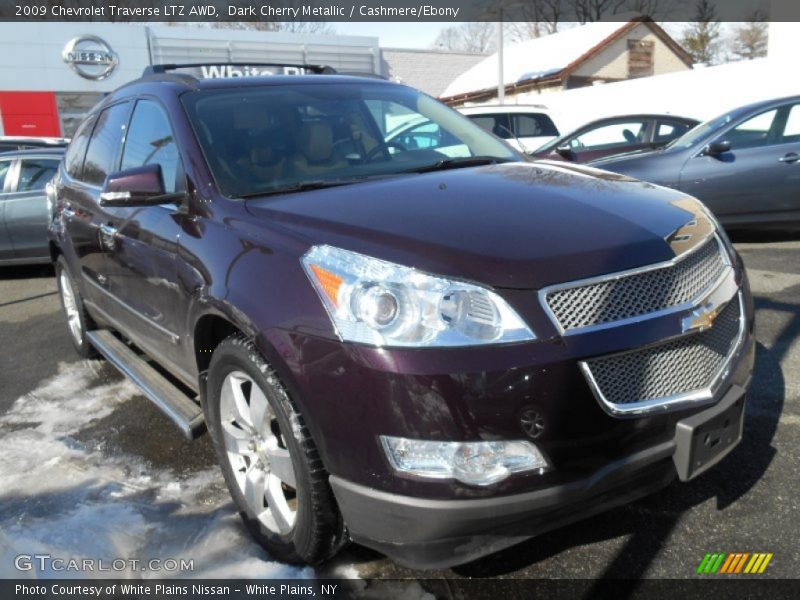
[(535, 58)]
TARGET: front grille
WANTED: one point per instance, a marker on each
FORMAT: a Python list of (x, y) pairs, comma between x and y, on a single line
[(662, 372), (616, 298)]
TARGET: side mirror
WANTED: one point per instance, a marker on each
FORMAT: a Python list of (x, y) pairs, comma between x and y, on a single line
[(140, 186), (718, 147), (565, 151)]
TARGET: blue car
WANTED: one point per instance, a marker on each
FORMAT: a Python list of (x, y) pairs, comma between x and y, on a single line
[(744, 165)]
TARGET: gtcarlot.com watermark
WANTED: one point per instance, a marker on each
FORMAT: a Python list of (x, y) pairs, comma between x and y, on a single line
[(49, 563)]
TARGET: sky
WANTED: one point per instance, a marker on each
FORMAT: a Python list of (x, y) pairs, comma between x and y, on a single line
[(399, 35)]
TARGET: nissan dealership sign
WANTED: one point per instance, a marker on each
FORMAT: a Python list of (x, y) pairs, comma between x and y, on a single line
[(90, 57)]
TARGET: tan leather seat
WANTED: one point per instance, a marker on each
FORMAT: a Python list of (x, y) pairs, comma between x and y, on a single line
[(317, 154)]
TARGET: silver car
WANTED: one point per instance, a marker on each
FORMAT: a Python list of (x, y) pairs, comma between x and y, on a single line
[(24, 209)]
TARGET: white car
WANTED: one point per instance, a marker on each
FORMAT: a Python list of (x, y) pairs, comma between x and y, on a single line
[(524, 127)]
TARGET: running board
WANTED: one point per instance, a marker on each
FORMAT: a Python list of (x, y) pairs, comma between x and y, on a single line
[(179, 407)]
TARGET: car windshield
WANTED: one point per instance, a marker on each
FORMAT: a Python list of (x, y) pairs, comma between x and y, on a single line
[(271, 139), (699, 133)]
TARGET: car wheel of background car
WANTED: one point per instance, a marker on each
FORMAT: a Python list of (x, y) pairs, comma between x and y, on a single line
[(268, 458), (78, 320)]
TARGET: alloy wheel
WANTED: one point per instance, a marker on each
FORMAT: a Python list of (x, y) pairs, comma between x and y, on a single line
[(259, 458)]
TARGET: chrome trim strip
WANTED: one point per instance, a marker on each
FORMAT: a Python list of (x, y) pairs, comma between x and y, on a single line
[(726, 259), (677, 401), (173, 338)]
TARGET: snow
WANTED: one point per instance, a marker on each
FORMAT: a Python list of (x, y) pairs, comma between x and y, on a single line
[(702, 93), (534, 58), (60, 497)]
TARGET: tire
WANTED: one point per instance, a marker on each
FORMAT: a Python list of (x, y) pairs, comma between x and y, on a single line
[(277, 480), (78, 320)]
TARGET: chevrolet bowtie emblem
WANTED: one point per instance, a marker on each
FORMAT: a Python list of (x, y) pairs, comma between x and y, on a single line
[(702, 317)]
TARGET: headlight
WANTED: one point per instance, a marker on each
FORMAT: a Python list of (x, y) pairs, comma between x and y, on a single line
[(380, 303), (474, 463)]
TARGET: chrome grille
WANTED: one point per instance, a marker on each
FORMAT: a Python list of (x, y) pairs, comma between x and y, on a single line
[(669, 370), (616, 298)]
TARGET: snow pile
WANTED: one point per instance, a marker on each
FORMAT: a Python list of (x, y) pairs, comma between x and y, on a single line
[(702, 93), (60, 497)]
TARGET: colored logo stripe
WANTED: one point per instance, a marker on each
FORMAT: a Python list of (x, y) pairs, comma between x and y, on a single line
[(734, 563)]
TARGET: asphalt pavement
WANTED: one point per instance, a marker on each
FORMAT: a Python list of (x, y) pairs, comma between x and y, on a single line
[(748, 503)]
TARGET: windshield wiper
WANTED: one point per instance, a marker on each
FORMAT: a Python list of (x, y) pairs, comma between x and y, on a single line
[(298, 187), (457, 163)]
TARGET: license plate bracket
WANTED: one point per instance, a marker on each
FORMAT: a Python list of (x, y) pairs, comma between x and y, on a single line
[(704, 439)]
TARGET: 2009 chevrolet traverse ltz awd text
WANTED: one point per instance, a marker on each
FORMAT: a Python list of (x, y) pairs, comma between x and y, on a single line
[(427, 343)]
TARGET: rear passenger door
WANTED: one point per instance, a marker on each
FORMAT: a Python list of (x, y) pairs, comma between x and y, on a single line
[(143, 241), (6, 247), (27, 213), (91, 156)]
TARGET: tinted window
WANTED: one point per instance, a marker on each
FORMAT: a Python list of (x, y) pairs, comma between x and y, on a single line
[(104, 143), (533, 125), (276, 138), (35, 173), (150, 141), (73, 160), (494, 123), (791, 131), (609, 136), (666, 132), (754, 132), (5, 165)]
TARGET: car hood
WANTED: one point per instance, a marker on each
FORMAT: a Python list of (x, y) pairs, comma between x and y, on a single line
[(513, 225), (635, 157)]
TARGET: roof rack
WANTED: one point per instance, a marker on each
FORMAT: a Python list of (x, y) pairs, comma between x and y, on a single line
[(160, 69)]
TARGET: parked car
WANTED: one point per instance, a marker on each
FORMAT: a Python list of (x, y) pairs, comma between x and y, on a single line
[(615, 135), (434, 356), (744, 165), (24, 207), (11, 142), (524, 127)]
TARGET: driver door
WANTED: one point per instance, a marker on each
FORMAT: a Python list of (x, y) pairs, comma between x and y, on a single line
[(757, 175)]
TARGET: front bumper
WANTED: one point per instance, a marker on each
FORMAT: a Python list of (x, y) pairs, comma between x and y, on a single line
[(434, 533)]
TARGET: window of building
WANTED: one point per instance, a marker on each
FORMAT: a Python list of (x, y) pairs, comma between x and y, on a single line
[(640, 58)]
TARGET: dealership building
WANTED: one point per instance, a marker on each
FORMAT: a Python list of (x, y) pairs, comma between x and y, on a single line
[(51, 74)]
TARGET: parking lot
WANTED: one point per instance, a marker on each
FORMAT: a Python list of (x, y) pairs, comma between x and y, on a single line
[(88, 467)]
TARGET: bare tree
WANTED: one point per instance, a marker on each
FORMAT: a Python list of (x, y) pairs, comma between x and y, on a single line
[(596, 10), (701, 36), (476, 36), (536, 18), (319, 27), (750, 38)]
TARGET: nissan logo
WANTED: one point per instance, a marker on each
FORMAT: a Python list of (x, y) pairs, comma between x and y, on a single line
[(90, 57)]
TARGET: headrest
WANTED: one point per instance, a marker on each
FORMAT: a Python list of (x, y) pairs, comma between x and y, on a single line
[(316, 141)]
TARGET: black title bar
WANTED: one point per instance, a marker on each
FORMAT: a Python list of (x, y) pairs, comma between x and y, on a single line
[(390, 10)]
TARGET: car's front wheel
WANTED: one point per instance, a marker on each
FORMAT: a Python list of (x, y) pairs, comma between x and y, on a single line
[(268, 458)]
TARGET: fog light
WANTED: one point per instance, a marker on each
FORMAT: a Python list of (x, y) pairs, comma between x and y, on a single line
[(474, 463)]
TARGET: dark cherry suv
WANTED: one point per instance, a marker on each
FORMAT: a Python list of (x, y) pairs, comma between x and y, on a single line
[(436, 352)]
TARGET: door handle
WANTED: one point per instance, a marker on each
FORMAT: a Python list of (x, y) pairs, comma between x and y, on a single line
[(108, 230), (792, 157), (108, 236)]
